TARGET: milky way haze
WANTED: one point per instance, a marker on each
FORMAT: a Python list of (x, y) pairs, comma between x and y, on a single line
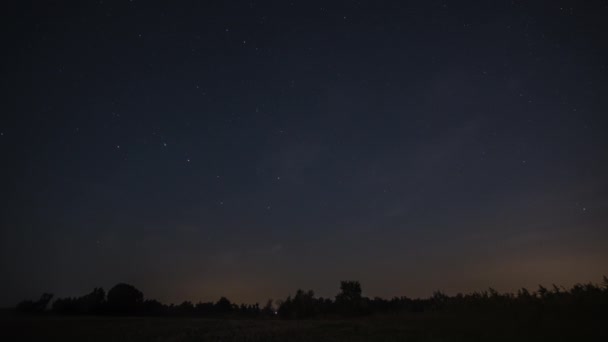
[(247, 149)]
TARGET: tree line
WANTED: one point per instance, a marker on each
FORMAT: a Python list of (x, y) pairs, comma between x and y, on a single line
[(125, 299)]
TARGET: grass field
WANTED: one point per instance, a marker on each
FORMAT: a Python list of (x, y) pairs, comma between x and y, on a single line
[(385, 328)]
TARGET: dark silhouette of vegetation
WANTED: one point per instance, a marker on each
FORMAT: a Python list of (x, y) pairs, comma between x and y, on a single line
[(223, 306), (39, 306), (302, 305), (349, 301), (92, 303), (123, 299)]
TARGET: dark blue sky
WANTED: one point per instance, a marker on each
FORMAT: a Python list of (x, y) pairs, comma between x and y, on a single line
[(247, 149)]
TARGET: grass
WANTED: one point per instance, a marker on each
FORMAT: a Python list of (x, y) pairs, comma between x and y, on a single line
[(423, 327)]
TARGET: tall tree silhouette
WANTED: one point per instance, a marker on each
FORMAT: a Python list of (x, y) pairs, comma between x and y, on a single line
[(349, 300), (223, 306), (124, 299)]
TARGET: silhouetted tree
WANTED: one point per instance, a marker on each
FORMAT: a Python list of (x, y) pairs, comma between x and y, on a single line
[(349, 291), (438, 301), (268, 309), (349, 301), (39, 306), (223, 306), (92, 303), (302, 305), (153, 307), (125, 299), (185, 308), (204, 308)]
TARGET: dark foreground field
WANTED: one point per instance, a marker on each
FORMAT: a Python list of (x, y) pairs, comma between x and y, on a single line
[(386, 328)]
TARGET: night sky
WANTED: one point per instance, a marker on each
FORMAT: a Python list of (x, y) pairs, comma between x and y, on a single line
[(248, 149)]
